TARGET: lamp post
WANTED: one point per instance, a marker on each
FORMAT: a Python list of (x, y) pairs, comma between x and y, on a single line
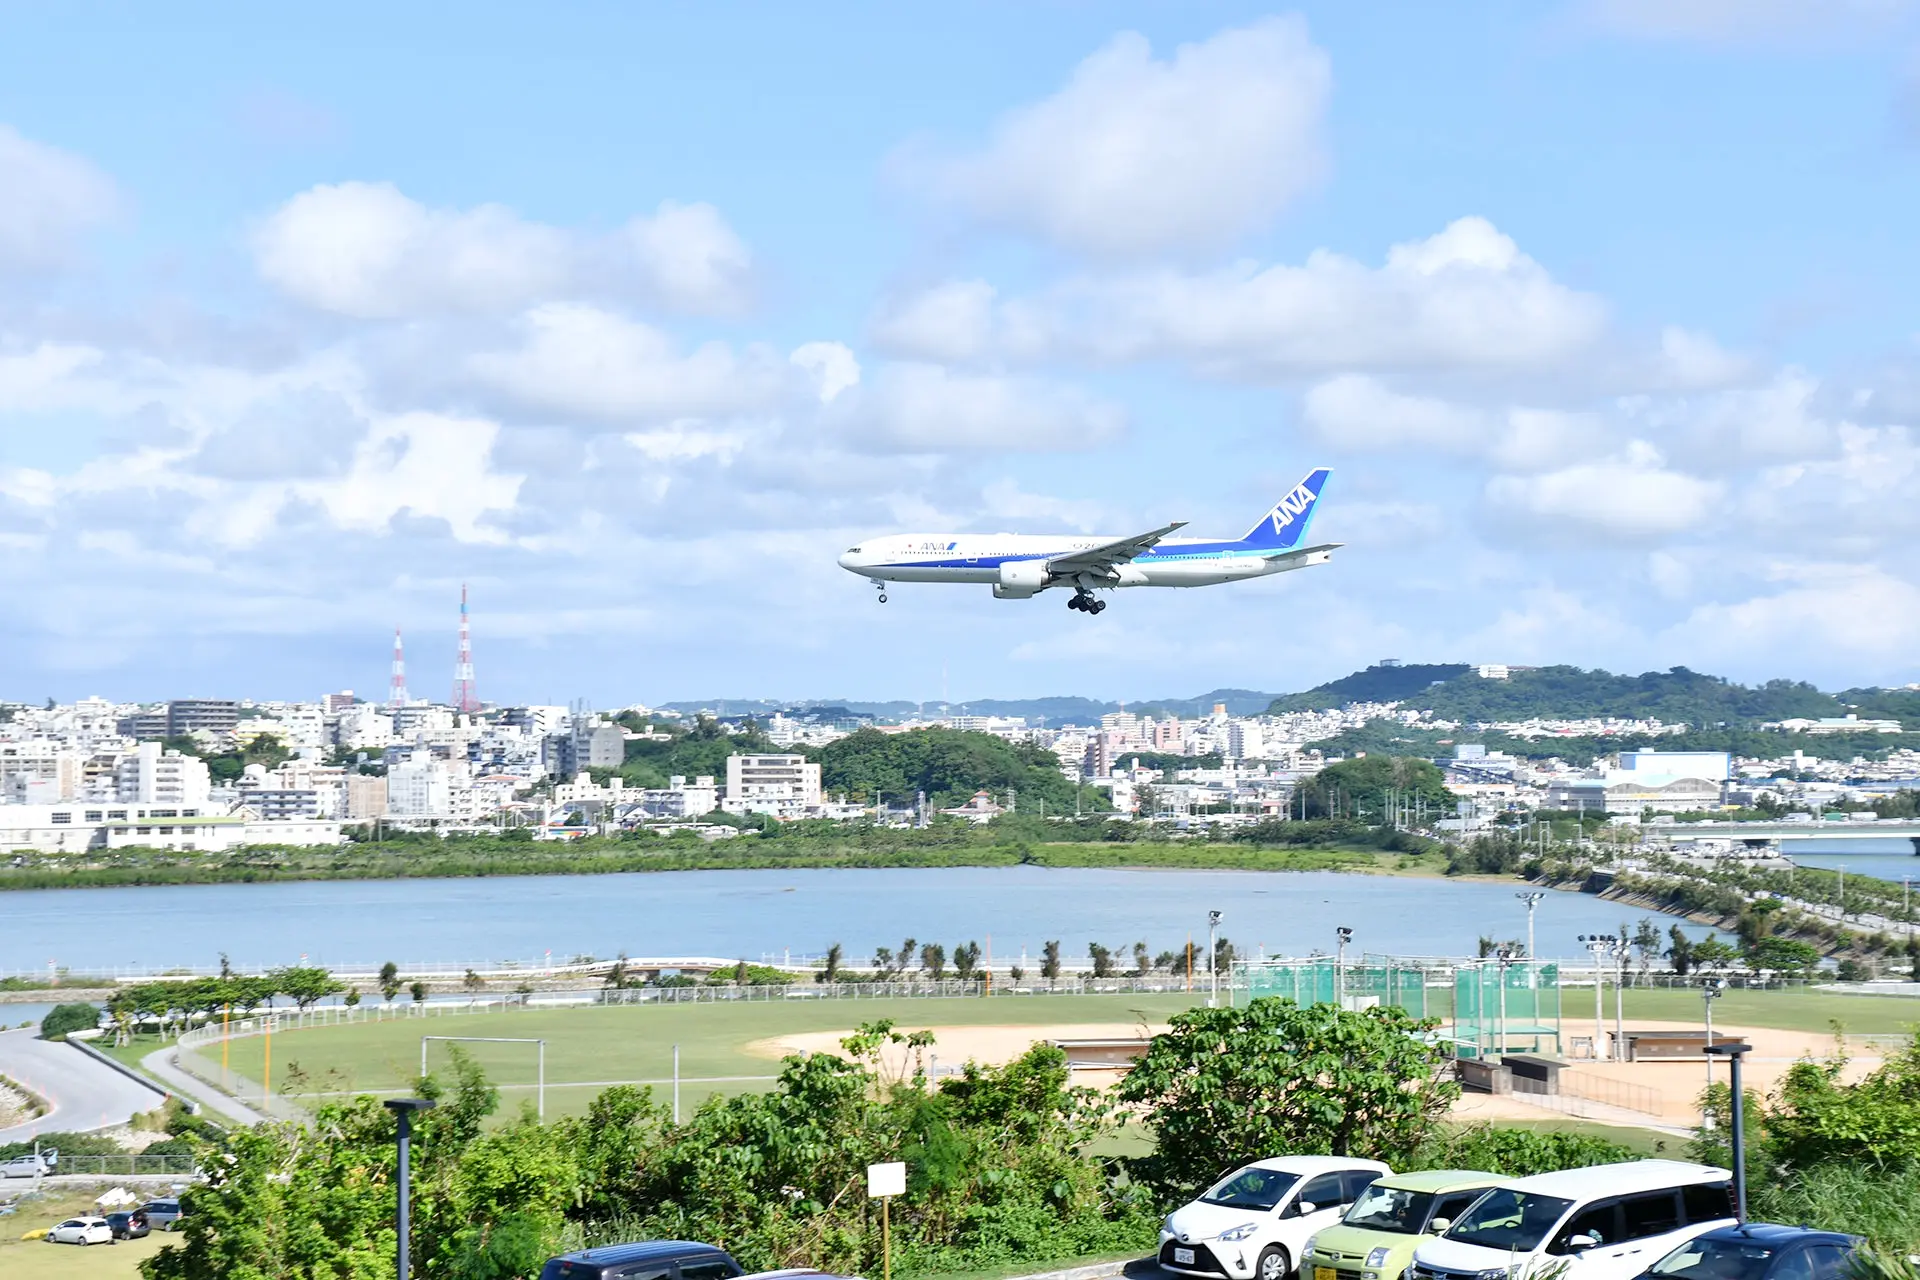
[(1532, 898), (1733, 1052), (1341, 936), (1505, 956), (1710, 990), (403, 1109), (1601, 944), (1213, 960)]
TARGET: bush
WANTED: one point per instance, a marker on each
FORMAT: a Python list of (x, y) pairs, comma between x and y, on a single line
[(65, 1018), (1520, 1153)]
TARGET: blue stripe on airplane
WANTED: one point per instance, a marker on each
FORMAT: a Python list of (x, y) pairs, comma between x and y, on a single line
[(1203, 551)]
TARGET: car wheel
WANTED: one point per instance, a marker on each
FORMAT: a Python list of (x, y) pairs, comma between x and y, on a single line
[(1273, 1265)]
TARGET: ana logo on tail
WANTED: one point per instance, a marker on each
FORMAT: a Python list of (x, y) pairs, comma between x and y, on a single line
[(1290, 506)]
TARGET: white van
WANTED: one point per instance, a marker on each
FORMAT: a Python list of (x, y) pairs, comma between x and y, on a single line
[(1607, 1222), (1254, 1224)]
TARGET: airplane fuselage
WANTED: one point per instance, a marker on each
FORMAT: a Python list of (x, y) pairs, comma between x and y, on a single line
[(973, 557)]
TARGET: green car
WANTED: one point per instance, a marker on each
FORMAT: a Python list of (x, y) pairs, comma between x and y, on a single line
[(1377, 1237)]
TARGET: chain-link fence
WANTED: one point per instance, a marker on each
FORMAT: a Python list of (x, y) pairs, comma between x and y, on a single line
[(1506, 1006)]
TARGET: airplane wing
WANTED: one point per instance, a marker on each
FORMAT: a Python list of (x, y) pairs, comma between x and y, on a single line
[(1103, 559)]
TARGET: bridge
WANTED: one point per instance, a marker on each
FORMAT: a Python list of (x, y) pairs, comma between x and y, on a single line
[(1760, 834)]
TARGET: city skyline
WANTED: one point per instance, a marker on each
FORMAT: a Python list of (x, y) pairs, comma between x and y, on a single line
[(635, 320)]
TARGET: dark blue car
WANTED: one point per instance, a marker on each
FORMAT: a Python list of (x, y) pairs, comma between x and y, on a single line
[(1758, 1251)]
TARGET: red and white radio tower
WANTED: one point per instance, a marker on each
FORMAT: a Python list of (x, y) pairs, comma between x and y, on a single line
[(397, 689), (464, 698)]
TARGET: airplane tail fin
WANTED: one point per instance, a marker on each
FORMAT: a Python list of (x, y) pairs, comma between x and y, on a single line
[(1285, 527)]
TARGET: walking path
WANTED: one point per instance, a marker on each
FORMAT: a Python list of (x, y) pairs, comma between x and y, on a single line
[(84, 1094), (161, 1065)]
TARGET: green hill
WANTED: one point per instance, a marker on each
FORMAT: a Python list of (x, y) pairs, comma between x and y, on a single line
[(1454, 692)]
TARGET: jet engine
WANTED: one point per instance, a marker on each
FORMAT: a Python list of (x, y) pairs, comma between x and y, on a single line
[(1020, 579)]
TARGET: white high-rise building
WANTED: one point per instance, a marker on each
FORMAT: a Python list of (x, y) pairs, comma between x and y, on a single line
[(149, 775)]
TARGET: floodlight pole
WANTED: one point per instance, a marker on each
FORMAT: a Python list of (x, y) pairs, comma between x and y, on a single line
[(1598, 943), (1733, 1053), (1213, 960), (1532, 898), (403, 1109), (1342, 936), (1710, 991), (1505, 956)]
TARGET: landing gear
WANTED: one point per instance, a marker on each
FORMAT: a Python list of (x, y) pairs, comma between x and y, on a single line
[(1086, 603), (881, 587)]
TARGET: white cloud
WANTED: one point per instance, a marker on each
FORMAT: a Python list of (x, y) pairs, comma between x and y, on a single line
[(1859, 610), (1136, 154), (44, 376), (584, 360), (367, 250), (47, 197), (832, 365), (1465, 298), (1353, 411), (924, 408), (1631, 496), (950, 322)]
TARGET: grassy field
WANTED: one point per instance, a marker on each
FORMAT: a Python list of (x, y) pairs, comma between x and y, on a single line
[(591, 1048), (38, 1260)]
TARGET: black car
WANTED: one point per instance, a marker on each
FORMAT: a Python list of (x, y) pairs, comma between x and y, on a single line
[(129, 1225), (1758, 1251), (647, 1260)]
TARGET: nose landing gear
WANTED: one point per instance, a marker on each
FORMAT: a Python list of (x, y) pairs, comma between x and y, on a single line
[(1085, 603), (881, 587)]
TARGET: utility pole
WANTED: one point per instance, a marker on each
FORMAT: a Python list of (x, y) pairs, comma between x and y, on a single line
[(1532, 898), (1599, 944), (1710, 991), (403, 1110), (1342, 936)]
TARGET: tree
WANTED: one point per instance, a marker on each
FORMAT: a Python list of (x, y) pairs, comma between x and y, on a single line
[(883, 960), (1646, 941), (1711, 953), (966, 960), (1016, 973), (1223, 955), (418, 991), (617, 975), (933, 958), (305, 985), (1679, 951), (63, 1019), (352, 999), (831, 973), (389, 981), (1142, 962), (742, 974), (473, 981), (904, 957), (1102, 959), (1050, 962), (1368, 788), (1225, 1086), (1782, 955)]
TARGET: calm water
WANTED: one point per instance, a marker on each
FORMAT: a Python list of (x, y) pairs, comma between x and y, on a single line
[(1882, 859), (759, 914)]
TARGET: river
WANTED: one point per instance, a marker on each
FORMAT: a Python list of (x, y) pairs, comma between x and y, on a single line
[(767, 915), (1881, 859)]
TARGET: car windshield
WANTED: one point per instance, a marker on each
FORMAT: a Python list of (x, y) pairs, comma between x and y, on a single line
[(1252, 1189), (1504, 1219), (1715, 1260), (1390, 1209)]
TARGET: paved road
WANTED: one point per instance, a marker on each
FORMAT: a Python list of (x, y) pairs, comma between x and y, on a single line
[(85, 1094)]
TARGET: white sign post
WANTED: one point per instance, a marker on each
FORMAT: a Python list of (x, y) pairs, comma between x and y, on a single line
[(884, 1182)]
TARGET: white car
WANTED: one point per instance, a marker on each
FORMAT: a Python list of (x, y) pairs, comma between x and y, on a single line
[(26, 1166), (81, 1231), (1606, 1222), (1254, 1224)]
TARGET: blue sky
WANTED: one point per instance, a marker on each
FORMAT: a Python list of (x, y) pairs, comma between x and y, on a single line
[(632, 317)]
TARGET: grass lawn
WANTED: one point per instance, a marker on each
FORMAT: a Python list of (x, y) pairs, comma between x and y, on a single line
[(1796, 1009), (591, 1048), (38, 1260)]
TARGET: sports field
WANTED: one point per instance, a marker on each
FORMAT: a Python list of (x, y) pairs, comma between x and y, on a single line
[(729, 1048), (589, 1049)]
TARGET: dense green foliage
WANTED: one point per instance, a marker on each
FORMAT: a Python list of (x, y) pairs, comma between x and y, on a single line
[(1375, 684), (1844, 1156), (1371, 786), (1225, 1086), (949, 766), (1392, 737), (997, 1162), (64, 1018), (1519, 1153)]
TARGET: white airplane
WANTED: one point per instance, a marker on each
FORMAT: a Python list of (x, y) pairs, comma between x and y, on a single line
[(1020, 566)]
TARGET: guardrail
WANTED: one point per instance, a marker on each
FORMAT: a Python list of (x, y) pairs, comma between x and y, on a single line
[(127, 1165), (1579, 1087)]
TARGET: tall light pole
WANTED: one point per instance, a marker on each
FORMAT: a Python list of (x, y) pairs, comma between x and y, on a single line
[(1710, 990), (1213, 960), (1600, 944), (1733, 1052), (1505, 956), (403, 1109), (1532, 898), (1342, 936)]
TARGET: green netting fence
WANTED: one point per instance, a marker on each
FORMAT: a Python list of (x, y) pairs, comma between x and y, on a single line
[(1362, 983), (1506, 1007)]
